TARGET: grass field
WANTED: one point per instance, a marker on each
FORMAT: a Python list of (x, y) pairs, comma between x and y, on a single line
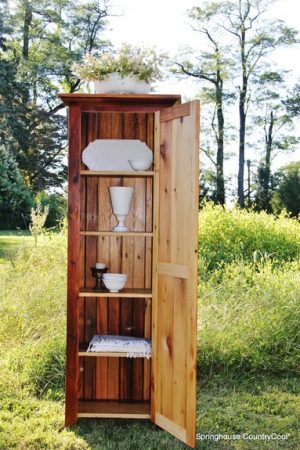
[(11, 241), (248, 343)]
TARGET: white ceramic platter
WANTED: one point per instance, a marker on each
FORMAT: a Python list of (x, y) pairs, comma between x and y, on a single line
[(113, 154)]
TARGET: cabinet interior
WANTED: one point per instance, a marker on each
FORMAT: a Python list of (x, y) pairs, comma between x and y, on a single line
[(105, 380)]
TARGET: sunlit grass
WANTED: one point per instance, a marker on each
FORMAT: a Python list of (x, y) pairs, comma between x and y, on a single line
[(11, 241), (228, 235), (248, 342), (249, 318)]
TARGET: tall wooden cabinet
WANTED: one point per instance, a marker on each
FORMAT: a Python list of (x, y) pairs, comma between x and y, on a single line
[(159, 254)]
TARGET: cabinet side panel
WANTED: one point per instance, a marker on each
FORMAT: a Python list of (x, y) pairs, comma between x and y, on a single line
[(81, 300), (73, 265)]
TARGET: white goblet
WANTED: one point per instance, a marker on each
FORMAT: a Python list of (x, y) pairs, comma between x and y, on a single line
[(120, 197)]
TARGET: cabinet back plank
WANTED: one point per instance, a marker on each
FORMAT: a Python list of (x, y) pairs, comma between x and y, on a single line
[(109, 127)]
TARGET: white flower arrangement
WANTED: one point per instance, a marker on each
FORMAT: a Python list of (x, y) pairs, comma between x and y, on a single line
[(144, 63)]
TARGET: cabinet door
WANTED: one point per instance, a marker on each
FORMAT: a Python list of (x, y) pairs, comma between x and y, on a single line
[(175, 271)]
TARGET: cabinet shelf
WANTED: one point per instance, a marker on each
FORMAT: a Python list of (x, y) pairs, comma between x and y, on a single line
[(117, 173), (124, 293), (106, 354), (112, 409), (116, 234), (114, 347)]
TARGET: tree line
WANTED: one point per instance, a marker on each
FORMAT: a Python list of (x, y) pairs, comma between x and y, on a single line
[(39, 42), (234, 67)]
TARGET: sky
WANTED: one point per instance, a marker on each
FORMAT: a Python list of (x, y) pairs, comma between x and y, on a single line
[(164, 24)]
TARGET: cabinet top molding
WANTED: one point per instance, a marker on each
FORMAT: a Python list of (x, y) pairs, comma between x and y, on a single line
[(155, 101)]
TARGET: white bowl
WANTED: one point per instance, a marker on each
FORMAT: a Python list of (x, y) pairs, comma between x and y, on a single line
[(115, 83), (114, 281), (115, 276), (140, 164)]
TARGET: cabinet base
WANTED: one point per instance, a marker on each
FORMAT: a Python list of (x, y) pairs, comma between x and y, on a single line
[(113, 409)]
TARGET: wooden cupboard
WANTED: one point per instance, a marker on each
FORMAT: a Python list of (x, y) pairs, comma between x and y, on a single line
[(159, 254)]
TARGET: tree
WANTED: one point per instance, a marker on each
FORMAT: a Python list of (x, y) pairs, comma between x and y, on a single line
[(277, 131), (256, 37), (57, 204), (36, 140), (210, 66), (292, 103), (207, 186), (45, 37), (287, 193), (3, 27), (242, 23), (15, 198)]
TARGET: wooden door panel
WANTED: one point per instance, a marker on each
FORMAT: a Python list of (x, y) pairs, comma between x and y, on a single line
[(175, 272)]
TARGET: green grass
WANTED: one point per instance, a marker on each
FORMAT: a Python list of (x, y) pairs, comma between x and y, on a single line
[(251, 405), (227, 236), (248, 343), (11, 241), (249, 319)]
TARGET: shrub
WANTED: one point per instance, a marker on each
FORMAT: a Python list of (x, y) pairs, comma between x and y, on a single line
[(57, 204), (229, 235), (38, 217), (15, 198), (287, 193)]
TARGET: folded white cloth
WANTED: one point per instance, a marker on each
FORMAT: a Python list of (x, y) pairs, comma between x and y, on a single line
[(132, 346)]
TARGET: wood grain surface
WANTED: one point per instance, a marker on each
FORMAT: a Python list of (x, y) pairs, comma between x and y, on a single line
[(159, 255), (175, 262)]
